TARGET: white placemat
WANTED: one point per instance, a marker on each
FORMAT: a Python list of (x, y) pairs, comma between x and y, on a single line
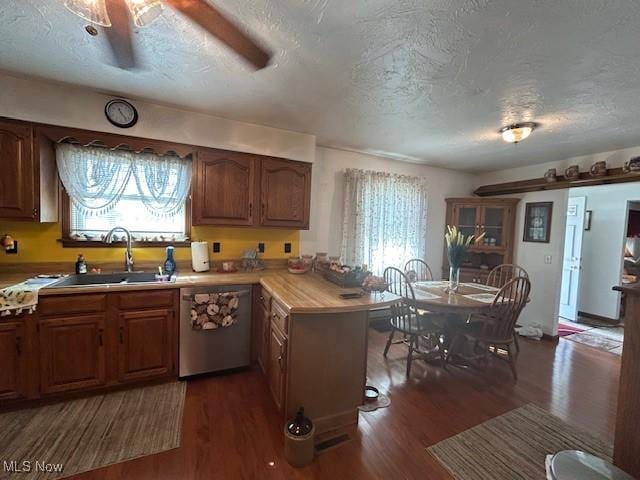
[(481, 297), (424, 295), (480, 286)]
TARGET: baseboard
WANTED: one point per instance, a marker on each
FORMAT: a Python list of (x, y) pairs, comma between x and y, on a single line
[(600, 318)]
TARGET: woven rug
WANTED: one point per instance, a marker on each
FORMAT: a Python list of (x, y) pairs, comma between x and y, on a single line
[(89, 433), (565, 330), (513, 446), (597, 341)]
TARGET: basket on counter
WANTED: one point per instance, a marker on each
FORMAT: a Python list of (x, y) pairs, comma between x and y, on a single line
[(345, 279)]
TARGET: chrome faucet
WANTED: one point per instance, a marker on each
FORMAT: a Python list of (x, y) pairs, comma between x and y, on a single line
[(128, 255)]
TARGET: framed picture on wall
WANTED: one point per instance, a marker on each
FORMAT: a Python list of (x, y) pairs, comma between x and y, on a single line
[(537, 222)]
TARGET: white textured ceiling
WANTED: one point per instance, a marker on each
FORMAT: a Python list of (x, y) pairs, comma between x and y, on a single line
[(426, 80)]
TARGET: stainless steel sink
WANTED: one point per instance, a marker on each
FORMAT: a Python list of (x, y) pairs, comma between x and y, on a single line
[(95, 279)]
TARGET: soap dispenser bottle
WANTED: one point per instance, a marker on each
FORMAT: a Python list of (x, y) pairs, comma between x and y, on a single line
[(169, 263), (81, 265)]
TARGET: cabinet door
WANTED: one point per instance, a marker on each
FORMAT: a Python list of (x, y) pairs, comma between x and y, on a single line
[(265, 341), (467, 218), (13, 361), (493, 224), (145, 344), (224, 188), (285, 193), (18, 178), (277, 366), (72, 353)]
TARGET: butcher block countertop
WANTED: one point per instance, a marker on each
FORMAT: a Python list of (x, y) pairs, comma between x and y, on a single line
[(306, 293), (310, 293)]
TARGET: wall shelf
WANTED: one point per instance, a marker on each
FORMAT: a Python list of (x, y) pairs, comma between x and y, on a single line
[(614, 175)]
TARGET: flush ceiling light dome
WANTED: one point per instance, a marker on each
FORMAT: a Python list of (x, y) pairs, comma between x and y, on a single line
[(517, 132), (143, 12)]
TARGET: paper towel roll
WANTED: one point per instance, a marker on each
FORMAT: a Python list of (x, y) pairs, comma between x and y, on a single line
[(200, 256)]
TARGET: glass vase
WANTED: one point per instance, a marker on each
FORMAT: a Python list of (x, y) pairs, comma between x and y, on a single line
[(454, 279)]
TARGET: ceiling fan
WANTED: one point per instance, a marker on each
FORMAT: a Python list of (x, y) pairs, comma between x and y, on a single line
[(115, 15)]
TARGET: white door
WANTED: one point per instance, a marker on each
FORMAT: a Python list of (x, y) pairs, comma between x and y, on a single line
[(571, 264)]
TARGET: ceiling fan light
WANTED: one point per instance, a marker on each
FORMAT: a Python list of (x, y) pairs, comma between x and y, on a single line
[(518, 132), (94, 11), (144, 12)]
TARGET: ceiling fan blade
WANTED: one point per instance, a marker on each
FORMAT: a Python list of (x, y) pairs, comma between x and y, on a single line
[(120, 36), (219, 26)]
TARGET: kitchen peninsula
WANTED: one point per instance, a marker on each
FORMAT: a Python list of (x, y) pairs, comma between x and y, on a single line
[(310, 343)]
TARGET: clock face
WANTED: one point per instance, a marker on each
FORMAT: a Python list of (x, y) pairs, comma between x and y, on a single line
[(121, 113)]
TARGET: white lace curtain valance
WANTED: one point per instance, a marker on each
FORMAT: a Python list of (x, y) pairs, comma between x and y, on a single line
[(385, 219), (95, 178)]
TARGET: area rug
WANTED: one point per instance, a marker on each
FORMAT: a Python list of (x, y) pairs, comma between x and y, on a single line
[(565, 330), (513, 446), (85, 434), (597, 341)]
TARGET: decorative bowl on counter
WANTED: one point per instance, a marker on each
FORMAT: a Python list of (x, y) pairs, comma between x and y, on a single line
[(346, 278), (297, 265)]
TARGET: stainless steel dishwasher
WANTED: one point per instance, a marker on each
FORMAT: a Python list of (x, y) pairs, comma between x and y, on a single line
[(213, 350)]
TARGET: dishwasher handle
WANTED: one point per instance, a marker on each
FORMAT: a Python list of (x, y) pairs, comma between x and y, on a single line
[(239, 293)]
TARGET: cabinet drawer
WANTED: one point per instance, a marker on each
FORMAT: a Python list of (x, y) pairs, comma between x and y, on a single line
[(145, 299), (71, 304), (280, 317), (264, 298)]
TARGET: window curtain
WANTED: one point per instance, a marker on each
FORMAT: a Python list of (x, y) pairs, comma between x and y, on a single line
[(385, 219), (95, 178)]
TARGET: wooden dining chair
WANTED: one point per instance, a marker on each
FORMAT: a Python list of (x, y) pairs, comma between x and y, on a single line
[(495, 327), (417, 270), (406, 319), (502, 274)]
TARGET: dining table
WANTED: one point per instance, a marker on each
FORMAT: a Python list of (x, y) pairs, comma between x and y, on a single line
[(470, 298)]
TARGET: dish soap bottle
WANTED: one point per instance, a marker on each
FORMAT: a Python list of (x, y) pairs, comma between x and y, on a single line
[(169, 263), (81, 265)]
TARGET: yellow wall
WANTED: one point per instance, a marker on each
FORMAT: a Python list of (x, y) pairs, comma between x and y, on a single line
[(37, 243)]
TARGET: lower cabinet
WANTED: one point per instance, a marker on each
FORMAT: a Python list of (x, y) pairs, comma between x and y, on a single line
[(277, 366), (84, 342), (145, 344), (72, 353), (13, 358)]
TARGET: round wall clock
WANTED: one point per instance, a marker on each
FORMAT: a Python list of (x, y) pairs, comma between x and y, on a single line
[(121, 113)]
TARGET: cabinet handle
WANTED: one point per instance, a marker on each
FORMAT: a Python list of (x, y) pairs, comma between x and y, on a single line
[(261, 298), (121, 335), (100, 337), (19, 345)]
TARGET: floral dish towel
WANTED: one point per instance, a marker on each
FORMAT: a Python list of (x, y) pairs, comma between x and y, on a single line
[(210, 311), (22, 297)]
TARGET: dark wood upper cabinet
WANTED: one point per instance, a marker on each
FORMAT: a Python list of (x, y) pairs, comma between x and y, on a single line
[(224, 188), (28, 184), (285, 193), (17, 189), (240, 189)]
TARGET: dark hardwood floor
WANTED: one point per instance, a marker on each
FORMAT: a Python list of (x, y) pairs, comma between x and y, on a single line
[(231, 428)]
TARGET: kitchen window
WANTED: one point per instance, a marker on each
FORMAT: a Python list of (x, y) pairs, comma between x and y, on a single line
[(144, 192), (385, 219)]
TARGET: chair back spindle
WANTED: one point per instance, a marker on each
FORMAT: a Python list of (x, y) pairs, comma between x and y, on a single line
[(502, 274), (417, 270), (506, 308), (404, 314)]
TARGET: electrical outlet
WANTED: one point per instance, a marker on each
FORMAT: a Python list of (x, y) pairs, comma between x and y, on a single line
[(216, 247), (547, 259), (287, 247), (261, 247)]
